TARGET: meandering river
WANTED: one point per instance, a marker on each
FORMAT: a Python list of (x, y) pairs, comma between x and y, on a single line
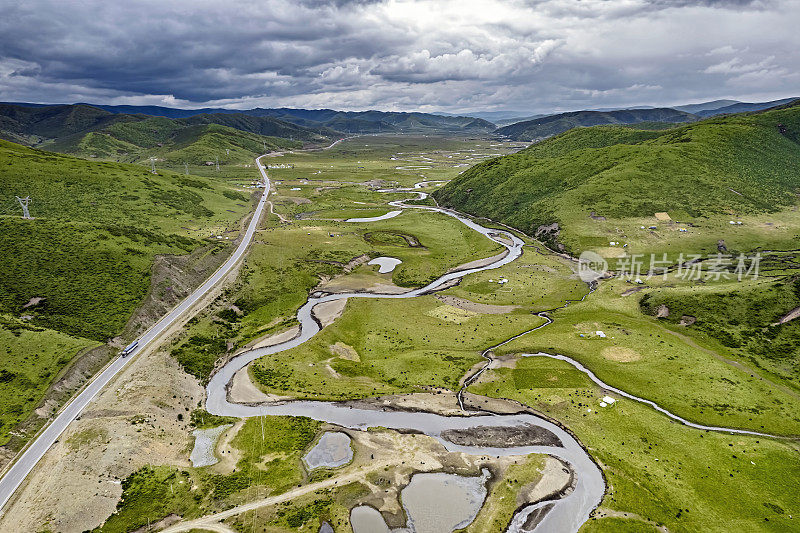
[(566, 514)]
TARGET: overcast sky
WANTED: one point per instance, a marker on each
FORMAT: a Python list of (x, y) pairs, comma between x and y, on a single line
[(453, 56)]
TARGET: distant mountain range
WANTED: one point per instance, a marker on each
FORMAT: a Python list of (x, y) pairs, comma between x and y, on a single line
[(342, 121), (705, 106), (540, 128), (743, 107), (106, 130)]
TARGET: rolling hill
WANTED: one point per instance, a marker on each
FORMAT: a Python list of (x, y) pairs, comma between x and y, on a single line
[(589, 186), (377, 121), (744, 107), (89, 131), (705, 106), (74, 274), (540, 128), (320, 119)]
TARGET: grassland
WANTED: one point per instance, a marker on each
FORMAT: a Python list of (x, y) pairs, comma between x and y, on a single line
[(402, 159), (694, 377), (92, 132), (96, 230), (74, 274), (536, 281), (660, 472), (392, 346), (150, 494), (288, 260), (603, 184), (501, 503), (746, 318), (197, 144), (31, 357), (286, 263), (306, 513)]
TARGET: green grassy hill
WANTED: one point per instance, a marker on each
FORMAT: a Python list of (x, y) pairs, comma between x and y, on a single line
[(175, 144), (73, 276), (542, 127), (753, 320), (88, 131), (603, 184)]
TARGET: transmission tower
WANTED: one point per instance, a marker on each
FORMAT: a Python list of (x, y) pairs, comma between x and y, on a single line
[(153, 165), (24, 203), (186, 168), (217, 163)]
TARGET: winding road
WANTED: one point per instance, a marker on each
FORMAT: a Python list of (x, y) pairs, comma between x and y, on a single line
[(19, 470)]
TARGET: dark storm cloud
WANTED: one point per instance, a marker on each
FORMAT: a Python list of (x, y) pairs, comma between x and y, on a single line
[(449, 55)]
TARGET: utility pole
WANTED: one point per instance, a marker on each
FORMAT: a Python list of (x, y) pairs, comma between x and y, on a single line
[(24, 203), (153, 165)]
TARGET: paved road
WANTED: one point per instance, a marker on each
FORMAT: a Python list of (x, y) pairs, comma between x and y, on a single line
[(20, 470)]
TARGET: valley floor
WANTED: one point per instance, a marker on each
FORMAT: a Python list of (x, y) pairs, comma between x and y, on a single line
[(125, 464)]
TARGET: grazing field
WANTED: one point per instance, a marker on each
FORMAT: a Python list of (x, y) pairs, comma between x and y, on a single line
[(660, 473), (716, 352), (312, 247), (753, 320), (388, 346), (694, 377), (404, 159), (535, 281)]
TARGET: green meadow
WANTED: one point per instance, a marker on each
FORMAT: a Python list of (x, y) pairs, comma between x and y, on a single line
[(660, 474), (388, 346), (31, 357), (693, 376)]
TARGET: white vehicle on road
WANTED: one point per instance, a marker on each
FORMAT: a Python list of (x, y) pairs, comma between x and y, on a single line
[(129, 348)]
